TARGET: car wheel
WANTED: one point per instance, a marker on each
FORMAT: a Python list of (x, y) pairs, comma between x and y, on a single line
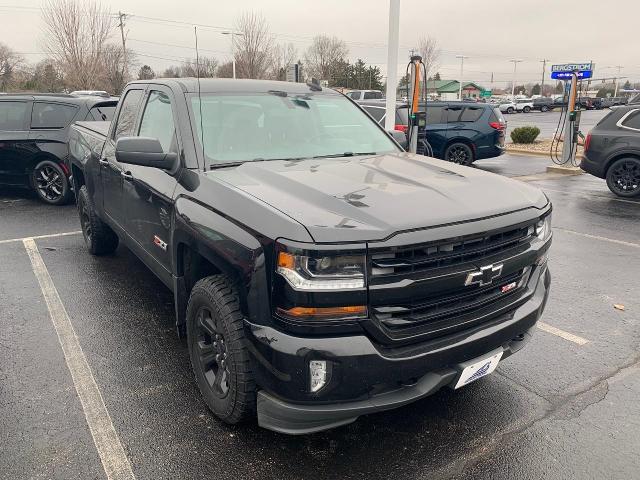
[(98, 236), (510, 110), (623, 177), (544, 109), (459, 153), (526, 109), (50, 183), (219, 357)]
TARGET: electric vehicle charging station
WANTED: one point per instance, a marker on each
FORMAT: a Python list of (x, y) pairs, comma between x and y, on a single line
[(569, 122)]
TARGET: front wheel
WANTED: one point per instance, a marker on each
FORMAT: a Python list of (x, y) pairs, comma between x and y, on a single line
[(526, 109), (219, 357), (510, 110), (50, 183), (459, 153), (623, 177), (544, 109)]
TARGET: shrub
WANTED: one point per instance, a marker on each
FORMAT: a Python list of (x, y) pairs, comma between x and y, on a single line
[(525, 134)]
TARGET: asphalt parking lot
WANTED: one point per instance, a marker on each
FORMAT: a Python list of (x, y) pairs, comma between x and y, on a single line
[(547, 122), (564, 407)]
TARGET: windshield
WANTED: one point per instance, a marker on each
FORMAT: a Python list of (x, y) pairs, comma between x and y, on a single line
[(277, 125)]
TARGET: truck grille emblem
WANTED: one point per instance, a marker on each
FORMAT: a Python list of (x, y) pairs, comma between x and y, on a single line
[(484, 276)]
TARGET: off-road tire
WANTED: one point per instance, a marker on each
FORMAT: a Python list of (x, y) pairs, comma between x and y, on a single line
[(98, 236), (215, 328)]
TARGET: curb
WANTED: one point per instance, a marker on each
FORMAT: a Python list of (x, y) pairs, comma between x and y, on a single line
[(533, 153)]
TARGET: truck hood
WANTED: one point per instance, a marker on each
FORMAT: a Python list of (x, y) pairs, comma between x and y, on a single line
[(373, 197)]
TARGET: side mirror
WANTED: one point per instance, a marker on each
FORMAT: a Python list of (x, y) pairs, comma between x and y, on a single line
[(400, 137), (144, 151)]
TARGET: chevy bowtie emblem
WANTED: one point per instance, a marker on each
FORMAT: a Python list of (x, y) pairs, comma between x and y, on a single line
[(484, 276)]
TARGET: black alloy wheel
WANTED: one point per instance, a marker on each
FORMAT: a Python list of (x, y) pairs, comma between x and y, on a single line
[(459, 153), (212, 352), (623, 177), (50, 183)]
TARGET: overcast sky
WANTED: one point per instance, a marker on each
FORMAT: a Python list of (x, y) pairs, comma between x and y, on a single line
[(489, 32)]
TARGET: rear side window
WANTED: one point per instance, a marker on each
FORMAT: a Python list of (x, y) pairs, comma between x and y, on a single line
[(127, 116), (376, 112), (372, 95), (101, 113), (12, 115), (452, 114), (633, 120), (52, 115), (496, 116), (471, 114), (355, 95), (402, 116), (434, 114)]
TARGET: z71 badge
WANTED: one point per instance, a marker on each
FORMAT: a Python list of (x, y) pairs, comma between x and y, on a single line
[(157, 241)]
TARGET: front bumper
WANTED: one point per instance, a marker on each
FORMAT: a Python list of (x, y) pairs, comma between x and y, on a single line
[(366, 377)]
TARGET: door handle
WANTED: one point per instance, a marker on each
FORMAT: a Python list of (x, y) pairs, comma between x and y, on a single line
[(126, 175), (103, 162)]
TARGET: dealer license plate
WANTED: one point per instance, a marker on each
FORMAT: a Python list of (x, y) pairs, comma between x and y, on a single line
[(478, 369)]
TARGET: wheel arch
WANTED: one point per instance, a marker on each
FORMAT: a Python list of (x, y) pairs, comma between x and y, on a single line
[(617, 156)]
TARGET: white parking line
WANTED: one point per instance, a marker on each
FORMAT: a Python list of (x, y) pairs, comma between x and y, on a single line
[(598, 237), (561, 333), (114, 459), (38, 237)]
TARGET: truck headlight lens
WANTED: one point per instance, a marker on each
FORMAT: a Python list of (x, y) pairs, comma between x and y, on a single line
[(543, 228), (322, 272)]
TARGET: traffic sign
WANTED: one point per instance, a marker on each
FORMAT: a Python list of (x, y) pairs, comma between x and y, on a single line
[(485, 93), (566, 70)]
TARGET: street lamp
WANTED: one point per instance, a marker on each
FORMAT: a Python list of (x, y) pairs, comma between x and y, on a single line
[(513, 86), (461, 57), (233, 47), (619, 67)]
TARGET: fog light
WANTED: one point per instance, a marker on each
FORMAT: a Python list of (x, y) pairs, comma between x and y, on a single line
[(318, 374)]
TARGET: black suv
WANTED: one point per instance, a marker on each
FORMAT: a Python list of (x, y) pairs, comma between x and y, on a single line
[(458, 132), (612, 151), (33, 139)]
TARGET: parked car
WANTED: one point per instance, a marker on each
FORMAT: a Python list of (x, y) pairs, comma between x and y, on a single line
[(524, 105), (458, 132), (320, 272), (33, 139), (612, 150), (365, 94), (542, 104), (507, 107)]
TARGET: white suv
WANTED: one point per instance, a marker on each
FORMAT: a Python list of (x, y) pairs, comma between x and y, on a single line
[(507, 107), (524, 105), (365, 95)]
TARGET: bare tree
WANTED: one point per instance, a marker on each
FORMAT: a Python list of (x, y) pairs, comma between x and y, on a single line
[(47, 76), (115, 74), (253, 47), (208, 67), (225, 70), (75, 34), (283, 56), (146, 73), (10, 62), (430, 53), (324, 57)]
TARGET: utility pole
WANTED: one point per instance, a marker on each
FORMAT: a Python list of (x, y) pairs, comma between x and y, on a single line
[(544, 71), (513, 86), (122, 17), (619, 67), (461, 57), (392, 63), (233, 47)]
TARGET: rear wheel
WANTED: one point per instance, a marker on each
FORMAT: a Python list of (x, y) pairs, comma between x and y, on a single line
[(623, 177), (510, 110), (98, 236), (219, 357), (544, 109), (526, 109), (50, 183), (459, 153)]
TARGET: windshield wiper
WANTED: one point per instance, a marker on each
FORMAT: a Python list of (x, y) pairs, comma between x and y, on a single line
[(345, 154), (215, 166)]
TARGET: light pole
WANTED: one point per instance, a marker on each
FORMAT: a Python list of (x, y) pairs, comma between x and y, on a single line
[(619, 67), (544, 72), (392, 62), (233, 47), (513, 86), (461, 57)]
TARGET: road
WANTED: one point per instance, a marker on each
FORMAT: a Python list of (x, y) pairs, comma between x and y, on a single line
[(564, 407), (547, 122)]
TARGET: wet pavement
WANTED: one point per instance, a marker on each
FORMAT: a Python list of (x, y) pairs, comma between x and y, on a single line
[(558, 409)]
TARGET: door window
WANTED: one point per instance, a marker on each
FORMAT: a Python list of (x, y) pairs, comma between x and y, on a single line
[(12, 115), (127, 116), (52, 115), (372, 95), (434, 114), (157, 121), (376, 112), (453, 114)]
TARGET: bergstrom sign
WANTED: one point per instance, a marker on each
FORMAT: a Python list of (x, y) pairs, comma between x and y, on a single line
[(566, 70)]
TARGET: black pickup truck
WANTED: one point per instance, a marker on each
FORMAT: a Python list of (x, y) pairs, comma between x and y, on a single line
[(319, 272)]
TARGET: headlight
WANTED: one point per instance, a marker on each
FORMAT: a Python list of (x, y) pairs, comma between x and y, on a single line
[(322, 272), (543, 228)]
